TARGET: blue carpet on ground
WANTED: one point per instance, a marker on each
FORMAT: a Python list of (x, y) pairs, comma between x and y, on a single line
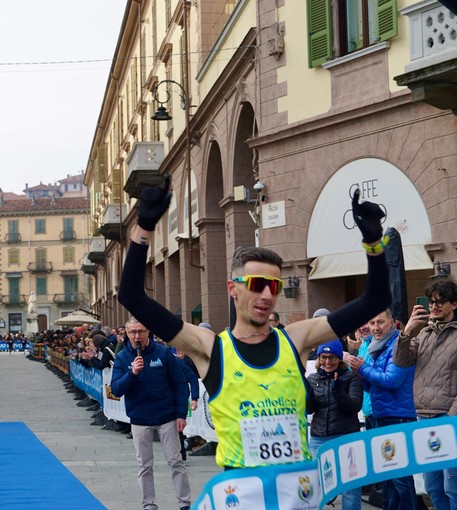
[(32, 477)]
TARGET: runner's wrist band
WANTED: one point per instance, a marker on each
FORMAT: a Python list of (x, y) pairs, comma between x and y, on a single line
[(377, 248)]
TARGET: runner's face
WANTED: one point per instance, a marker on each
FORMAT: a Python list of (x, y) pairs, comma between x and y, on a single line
[(254, 308)]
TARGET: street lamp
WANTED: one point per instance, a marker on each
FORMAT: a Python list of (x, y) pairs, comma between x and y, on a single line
[(162, 114)]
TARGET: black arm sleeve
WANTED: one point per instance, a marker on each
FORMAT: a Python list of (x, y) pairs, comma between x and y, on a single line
[(150, 313), (375, 299)]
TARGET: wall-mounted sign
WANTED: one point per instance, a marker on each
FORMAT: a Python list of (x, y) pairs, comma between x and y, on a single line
[(273, 215)]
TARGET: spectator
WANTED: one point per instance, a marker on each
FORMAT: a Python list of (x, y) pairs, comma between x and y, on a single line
[(335, 399), (104, 357), (273, 320), (391, 392), (156, 397), (433, 351), (191, 375), (360, 346)]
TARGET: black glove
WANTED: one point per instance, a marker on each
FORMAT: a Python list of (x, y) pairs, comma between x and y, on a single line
[(153, 203), (368, 218)]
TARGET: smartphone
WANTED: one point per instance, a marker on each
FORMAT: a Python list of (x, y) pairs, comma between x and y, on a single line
[(423, 301)]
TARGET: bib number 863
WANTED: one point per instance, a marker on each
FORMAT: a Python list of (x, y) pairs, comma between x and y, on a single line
[(276, 450)]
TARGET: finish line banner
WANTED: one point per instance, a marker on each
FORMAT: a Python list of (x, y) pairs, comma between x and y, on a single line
[(345, 463)]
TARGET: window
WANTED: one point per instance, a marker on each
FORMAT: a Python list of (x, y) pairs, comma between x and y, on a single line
[(40, 226), (13, 257), (41, 286), (41, 259), (68, 231), (69, 255), (13, 231), (13, 284), (344, 26), (70, 287), (14, 322)]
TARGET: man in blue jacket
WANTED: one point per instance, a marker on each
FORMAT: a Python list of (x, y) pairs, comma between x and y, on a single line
[(156, 394), (391, 392)]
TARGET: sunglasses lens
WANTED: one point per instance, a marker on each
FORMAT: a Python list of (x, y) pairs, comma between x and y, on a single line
[(258, 283)]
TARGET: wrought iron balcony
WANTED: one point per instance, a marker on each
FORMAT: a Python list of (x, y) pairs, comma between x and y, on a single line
[(13, 300), (68, 235), (69, 298), (14, 237), (40, 267)]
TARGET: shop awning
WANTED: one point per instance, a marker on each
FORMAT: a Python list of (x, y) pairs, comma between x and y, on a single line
[(354, 263)]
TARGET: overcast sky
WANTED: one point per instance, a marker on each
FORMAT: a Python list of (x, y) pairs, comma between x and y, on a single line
[(48, 112)]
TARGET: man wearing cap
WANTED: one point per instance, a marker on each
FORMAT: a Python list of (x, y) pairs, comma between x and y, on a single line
[(251, 364), (391, 392)]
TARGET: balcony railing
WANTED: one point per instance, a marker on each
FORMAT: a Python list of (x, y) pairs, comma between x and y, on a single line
[(143, 167), (433, 34), (68, 235), (40, 267), (13, 300), (70, 298), (96, 250), (13, 238)]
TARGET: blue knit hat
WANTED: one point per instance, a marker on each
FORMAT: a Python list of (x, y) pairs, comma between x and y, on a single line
[(333, 347)]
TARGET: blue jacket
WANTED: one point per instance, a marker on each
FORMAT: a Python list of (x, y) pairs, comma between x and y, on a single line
[(367, 408), (390, 386), (159, 393)]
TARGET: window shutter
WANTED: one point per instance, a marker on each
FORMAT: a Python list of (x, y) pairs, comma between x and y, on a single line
[(116, 182), (319, 32), (387, 19)]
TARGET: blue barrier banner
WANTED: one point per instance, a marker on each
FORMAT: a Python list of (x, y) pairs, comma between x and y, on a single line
[(17, 346), (344, 463), (87, 379)]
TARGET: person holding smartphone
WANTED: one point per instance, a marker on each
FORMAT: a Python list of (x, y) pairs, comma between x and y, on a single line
[(434, 352)]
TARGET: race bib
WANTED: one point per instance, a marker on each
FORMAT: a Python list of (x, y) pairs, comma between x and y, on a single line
[(271, 440)]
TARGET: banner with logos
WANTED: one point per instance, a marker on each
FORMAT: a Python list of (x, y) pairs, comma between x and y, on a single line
[(350, 461), (87, 379), (17, 346)]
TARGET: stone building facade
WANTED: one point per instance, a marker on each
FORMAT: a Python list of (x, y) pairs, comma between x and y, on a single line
[(285, 113)]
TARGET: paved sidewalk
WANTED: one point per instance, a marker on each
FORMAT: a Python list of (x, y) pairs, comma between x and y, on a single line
[(103, 460)]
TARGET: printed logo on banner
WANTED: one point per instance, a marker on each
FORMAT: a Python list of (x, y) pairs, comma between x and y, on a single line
[(241, 493), (352, 457), (434, 442), (298, 491), (440, 444), (231, 501), (389, 452), (327, 466)]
